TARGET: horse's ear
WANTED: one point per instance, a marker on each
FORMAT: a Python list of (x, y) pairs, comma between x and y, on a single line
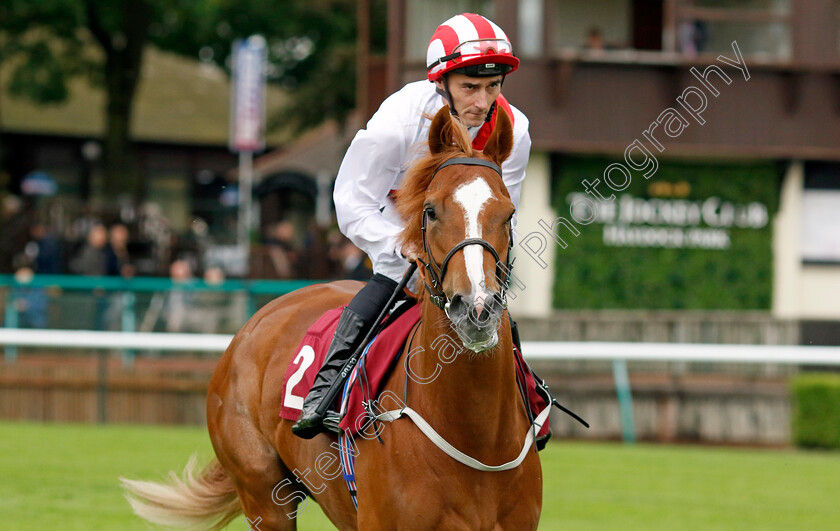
[(440, 132), (500, 143)]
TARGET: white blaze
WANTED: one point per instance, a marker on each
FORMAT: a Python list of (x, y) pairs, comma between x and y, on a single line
[(472, 196)]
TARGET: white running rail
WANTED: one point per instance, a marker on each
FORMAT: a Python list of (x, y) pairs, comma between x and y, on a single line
[(88, 339), (534, 350)]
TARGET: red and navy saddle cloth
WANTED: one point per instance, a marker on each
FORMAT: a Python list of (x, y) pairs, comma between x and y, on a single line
[(375, 364)]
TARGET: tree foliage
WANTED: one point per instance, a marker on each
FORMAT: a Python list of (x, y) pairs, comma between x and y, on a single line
[(310, 50), (43, 39)]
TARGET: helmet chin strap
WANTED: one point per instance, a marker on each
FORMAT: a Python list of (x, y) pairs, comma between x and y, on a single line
[(444, 79)]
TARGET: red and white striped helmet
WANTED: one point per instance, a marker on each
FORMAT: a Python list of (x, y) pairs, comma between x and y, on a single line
[(469, 40)]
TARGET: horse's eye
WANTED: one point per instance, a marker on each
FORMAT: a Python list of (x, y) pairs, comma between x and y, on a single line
[(430, 213)]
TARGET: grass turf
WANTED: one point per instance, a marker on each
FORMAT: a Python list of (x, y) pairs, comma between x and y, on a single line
[(65, 477)]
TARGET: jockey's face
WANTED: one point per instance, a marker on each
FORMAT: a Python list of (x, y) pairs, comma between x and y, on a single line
[(472, 96)]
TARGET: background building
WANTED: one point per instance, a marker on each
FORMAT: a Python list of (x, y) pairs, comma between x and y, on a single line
[(716, 124)]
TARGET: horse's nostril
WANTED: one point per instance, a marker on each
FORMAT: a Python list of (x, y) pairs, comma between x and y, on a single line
[(490, 308), (458, 305), (495, 304)]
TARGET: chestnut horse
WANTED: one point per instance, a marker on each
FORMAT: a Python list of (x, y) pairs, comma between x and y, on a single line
[(403, 479)]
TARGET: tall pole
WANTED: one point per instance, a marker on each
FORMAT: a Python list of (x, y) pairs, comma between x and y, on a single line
[(243, 226), (362, 57), (247, 132)]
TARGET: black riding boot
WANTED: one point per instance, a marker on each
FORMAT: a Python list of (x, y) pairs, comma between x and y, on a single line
[(351, 329), (354, 323)]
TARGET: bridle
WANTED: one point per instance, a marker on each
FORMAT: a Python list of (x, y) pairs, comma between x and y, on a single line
[(436, 273)]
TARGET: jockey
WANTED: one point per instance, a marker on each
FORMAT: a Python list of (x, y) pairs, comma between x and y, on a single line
[(467, 61)]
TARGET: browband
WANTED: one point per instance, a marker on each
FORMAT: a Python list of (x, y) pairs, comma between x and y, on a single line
[(470, 161)]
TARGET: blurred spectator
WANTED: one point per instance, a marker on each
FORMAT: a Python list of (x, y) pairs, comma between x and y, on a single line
[(180, 301), (354, 262), (118, 260), (80, 228), (42, 254), (281, 248), (214, 276), (197, 311), (44, 250), (14, 223), (117, 263), (31, 303), (155, 228), (91, 259), (347, 260), (594, 39), (193, 244), (693, 36), (334, 242), (211, 304)]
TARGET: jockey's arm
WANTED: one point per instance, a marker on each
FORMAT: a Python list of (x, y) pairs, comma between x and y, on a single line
[(367, 174), (513, 169)]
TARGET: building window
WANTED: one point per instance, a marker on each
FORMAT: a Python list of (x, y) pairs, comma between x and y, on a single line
[(686, 27), (761, 27), (591, 25), (530, 29), (423, 16), (819, 237)]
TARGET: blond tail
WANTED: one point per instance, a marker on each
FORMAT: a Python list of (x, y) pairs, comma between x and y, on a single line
[(196, 500)]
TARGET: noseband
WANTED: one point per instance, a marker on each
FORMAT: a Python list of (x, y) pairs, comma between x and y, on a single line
[(436, 273)]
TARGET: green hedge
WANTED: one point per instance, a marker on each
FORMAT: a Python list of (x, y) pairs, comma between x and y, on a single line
[(591, 275), (816, 410)]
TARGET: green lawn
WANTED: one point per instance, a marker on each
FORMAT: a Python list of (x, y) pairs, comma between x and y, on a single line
[(65, 477)]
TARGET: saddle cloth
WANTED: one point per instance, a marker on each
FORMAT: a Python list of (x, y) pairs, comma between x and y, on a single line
[(378, 360)]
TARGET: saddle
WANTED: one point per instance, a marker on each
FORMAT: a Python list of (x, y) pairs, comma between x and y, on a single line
[(376, 363)]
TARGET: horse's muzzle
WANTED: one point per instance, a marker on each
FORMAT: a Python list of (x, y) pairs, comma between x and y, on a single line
[(476, 321)]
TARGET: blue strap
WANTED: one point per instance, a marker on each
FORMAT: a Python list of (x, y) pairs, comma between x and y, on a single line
[(348, 467)]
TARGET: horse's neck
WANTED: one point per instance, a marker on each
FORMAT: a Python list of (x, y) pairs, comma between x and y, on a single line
[(474, 399)]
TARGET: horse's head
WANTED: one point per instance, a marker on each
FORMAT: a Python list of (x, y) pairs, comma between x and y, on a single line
[(458, 217)]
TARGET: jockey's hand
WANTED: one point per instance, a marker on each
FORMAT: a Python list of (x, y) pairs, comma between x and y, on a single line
[(409, 252)]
